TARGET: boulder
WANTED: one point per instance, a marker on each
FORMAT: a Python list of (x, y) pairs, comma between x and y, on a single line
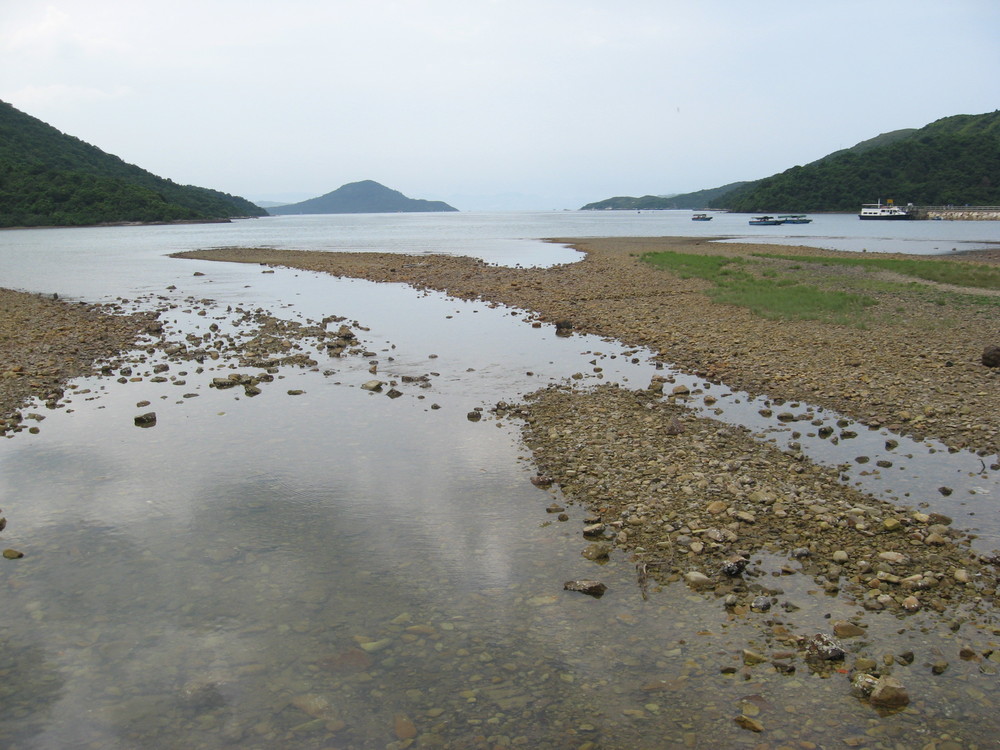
[(591, 588), (991, 356), (890, 693)]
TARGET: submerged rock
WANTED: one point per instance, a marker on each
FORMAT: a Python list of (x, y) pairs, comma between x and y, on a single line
[(591, 588), (889, 693)]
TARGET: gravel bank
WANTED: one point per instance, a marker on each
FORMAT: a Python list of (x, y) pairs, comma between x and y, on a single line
[(694, 499), (915, 368), (44, 342)]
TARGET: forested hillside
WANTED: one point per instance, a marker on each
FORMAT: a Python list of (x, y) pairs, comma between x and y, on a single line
[(699, 199), (48, 178), (955, 160)]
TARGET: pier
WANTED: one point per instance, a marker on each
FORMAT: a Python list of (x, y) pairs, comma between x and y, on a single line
[(957, 213)]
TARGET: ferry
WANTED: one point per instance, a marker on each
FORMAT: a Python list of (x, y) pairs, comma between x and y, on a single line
[(795, 219), (765, 221), (888, 210), (701, 217)]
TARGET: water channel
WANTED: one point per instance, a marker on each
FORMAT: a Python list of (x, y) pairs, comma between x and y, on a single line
[(338, 569)]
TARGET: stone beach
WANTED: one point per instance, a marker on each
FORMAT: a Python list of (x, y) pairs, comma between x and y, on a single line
[(760, 535), (915, 367), (690, 496)]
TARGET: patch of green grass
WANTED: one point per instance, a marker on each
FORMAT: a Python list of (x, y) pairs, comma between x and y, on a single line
[(688, 265), (785, 300), (773, 296), (976, 275)]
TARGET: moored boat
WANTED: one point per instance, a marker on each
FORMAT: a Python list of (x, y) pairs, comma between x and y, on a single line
[(887, 210), (765, 221), (701, 217), (795, 219)]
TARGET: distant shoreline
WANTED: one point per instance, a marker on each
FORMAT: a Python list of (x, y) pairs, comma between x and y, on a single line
[(134, 223)]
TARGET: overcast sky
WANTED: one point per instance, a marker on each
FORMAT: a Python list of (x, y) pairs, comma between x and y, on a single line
[(491, 103)]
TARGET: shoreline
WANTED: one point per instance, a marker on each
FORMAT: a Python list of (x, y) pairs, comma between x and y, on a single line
[(45, 342), (690, 498), (916, 370)]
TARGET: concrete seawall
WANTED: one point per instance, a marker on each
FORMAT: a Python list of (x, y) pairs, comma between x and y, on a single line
[(960, 214)]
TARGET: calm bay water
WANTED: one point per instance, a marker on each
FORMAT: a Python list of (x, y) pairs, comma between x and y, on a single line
[(341, 569)]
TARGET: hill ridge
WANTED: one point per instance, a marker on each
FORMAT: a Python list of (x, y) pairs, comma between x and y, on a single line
[(50, 178), (363, 197)]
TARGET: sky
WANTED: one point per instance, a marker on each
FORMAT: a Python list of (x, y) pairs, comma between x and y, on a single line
[(491, 104)]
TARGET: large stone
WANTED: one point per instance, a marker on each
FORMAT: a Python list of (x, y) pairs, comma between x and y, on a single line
[(991, 356), (597, 551), (824, 647), (697, 580), (844, 629), (890, 693), (591, 588)]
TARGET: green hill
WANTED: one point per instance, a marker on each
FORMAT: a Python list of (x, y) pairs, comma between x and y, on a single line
[(48, 178), (955, 160), (365, 197), (699, 199)]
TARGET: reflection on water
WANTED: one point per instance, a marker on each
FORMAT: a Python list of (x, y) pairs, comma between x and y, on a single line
[(342, 569)]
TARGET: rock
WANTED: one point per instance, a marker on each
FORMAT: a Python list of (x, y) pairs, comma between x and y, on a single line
[(697, 580), (752, 657), (896, 558), (844, 629), (748, 722), (597, 551), (716, 507), (404, 728), (591, 588), (840, 556), (542, 481), (911, 604), (12, 554), (991, 356), (372, 385), (564, 327), (760, 604), (889, 693), (734, 567), (863, 685), (824, 647), (146, 420), (474, 416)]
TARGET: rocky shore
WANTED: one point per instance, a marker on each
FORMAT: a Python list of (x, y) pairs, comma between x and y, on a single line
[(44, 342), (915, 367)]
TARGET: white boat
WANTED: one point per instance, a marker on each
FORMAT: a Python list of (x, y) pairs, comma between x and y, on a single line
[(769, 221), (701, 217), (795, 219), (887, 210)]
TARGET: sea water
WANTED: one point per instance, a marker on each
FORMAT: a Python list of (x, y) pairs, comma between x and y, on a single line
[(342, 569)]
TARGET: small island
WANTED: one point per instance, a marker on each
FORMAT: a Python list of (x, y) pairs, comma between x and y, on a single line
[(365, 197)]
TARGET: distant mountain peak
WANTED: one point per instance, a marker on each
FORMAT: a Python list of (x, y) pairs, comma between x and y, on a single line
[(363, 197)]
